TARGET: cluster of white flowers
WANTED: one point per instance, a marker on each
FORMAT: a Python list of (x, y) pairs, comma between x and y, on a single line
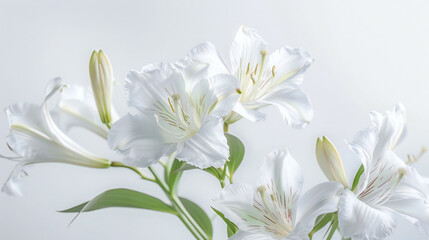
[(183, 112)]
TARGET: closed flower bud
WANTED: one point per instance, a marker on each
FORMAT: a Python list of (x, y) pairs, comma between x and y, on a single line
[(101, 75), (329, 161)]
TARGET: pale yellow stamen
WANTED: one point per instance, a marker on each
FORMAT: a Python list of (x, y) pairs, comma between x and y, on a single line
[(412, 158), (176, 99), (171, 106), (264, 54)]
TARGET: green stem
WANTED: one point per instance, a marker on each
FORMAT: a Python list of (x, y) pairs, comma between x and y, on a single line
[(183, 214), (222, 183), (136, 170), (225, 127)]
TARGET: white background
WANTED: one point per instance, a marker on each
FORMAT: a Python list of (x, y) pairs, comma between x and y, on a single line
[(369, 55)]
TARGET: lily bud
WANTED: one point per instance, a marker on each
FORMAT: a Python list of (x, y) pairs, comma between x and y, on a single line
[(101, 75), (329, 161)]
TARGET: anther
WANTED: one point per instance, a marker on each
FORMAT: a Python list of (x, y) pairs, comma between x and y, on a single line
[(412, 158), (253, 80), (256, 69), (171, 106)]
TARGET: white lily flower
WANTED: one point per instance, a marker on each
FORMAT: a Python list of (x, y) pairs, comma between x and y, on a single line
[(101, 73), (265, 79), (365, 212), (330, 161), (77, 108), (273, 209), (177, 115), (35, 138)]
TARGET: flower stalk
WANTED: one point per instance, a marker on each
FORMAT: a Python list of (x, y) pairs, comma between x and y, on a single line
[(183, 214)]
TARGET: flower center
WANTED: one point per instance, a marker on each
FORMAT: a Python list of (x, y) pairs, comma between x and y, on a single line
[(379, 188), (276, 218), (257, 80), (172, 116)]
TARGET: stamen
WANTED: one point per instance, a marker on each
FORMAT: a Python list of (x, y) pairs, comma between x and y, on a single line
[(412, 158), (264, 54), (176, 99), (248, 68), (238, 90), (253, 80), (402, 172), (171, 106), (261, 190), (256, 68), (273, 70)]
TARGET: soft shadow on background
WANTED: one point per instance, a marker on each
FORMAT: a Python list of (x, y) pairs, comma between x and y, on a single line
[(369, 55)]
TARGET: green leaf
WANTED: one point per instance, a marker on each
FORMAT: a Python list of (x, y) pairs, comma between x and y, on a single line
[(173, 177), (199, 215), (122, 198), (231, 228), (236, 153), (213, 171), (357, 177), (321, 221), (333, 227), (183, 168)]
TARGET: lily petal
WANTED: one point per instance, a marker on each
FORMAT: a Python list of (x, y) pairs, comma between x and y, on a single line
[(322, 198), (205, 57), (138, 137), (208, 147), (235, 202), (293, 105), (290, 65), (12, 186), (396, 119), (357, 220), (77, 108), (282, 175), (250, 114), (411, 197), (246, 49), (152, 83)]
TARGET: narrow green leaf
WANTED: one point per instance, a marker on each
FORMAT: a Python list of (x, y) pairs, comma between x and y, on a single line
[(173, 177), (213, 171), (236, 153), (321, 222), (183, 168), (122, 198), (334, 227), (199, 215), (231, 228), (357, 177)]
